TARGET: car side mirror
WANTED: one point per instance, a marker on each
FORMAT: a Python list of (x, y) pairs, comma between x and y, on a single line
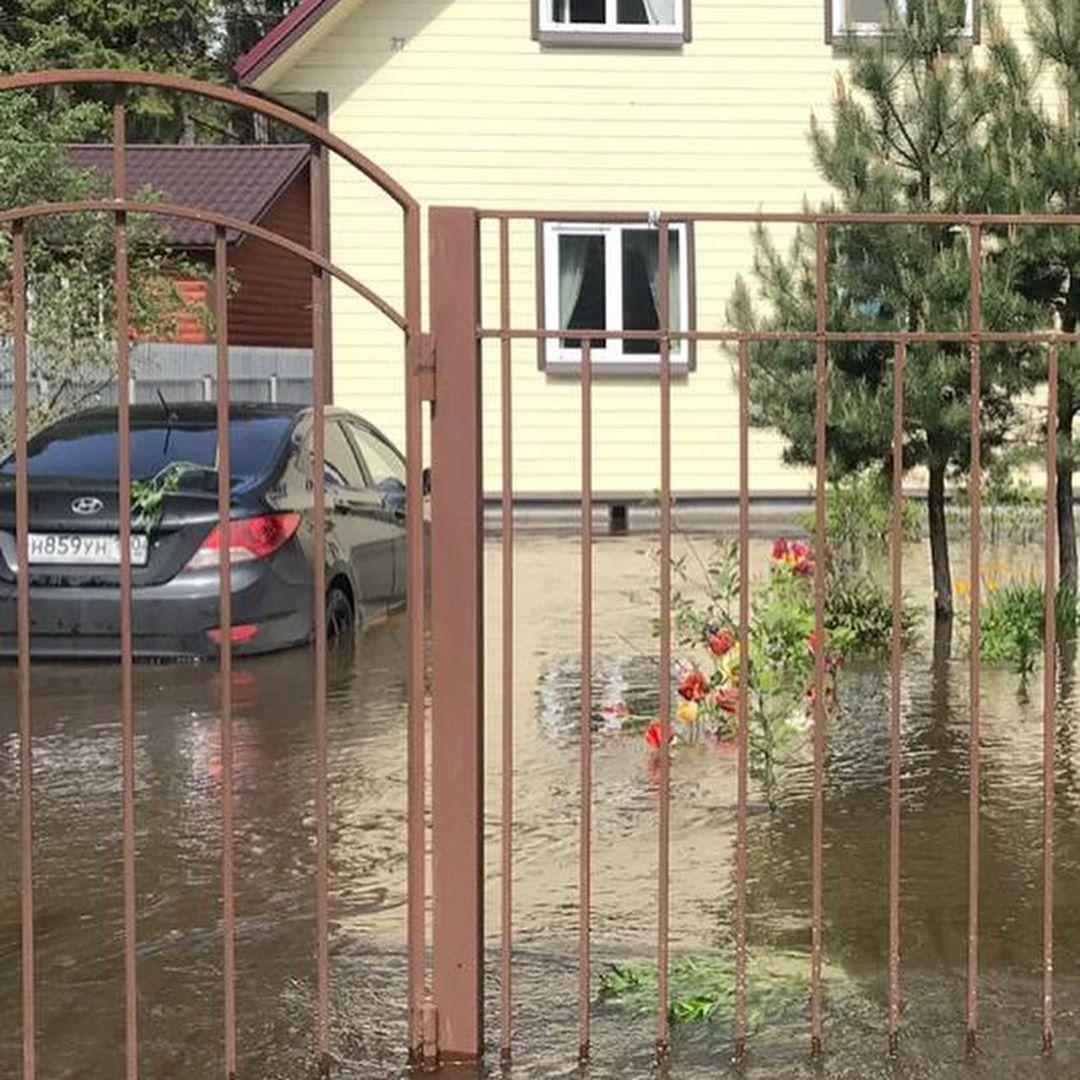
[(426, 481)]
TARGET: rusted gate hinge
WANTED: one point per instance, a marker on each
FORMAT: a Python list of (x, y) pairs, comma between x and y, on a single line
[(426, 368)]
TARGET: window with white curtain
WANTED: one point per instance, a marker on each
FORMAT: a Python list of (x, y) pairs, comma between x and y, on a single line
[(869, 17), (643, 17), (607, 277)]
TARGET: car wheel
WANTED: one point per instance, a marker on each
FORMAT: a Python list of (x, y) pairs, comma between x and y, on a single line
[(340, 620)]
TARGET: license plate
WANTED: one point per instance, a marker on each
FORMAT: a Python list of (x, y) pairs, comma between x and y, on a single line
[(84, 549)]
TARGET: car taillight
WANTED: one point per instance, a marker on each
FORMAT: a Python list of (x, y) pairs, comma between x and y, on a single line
[(249, 539), (238, 635)]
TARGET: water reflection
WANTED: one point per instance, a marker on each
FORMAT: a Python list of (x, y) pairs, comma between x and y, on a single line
[(78, 867), (178, 774)]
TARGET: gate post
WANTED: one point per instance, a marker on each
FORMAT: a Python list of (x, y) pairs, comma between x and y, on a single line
[(457, 630)]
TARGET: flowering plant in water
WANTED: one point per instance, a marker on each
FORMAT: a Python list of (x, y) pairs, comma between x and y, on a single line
[(781, 657)]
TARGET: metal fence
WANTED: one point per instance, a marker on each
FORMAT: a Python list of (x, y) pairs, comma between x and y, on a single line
[(179, 373), (120, 209), (446, 983), (460, 331)]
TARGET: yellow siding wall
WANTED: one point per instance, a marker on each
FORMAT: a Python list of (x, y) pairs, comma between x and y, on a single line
[(471, 111)]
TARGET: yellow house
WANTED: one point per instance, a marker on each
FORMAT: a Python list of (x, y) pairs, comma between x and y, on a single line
[(575, 105)]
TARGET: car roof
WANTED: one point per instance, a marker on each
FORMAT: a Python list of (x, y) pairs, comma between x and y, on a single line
[(189, 412), (204, 414)]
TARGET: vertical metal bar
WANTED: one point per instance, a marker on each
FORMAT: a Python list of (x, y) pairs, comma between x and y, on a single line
[(457, 614), (507, 880), (319, 180), (664, 861), (585, 864), (820, 555), (976, 636), (415, 591), (322, 830), (744, 701), (895, 646), (22, 603), (228, 890), (1049, 700), (123, 378)]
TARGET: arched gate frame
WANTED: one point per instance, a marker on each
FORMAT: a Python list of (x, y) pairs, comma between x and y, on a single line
[(419, 388)]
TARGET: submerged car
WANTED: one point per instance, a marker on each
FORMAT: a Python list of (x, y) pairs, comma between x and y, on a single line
[(74, 542)]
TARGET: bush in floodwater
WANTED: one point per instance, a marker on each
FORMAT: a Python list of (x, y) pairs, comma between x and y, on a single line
[(1013, 622), (783, 647), (860, 605), (703, 988), (858, 518)]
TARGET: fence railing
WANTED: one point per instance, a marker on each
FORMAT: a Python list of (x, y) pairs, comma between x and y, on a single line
[(459, 270)]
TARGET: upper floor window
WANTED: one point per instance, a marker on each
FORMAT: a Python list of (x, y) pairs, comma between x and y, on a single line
[(620, 22), (607, 277), (872, 17)]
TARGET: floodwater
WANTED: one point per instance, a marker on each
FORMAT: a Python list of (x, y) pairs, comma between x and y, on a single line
[(79, 936)]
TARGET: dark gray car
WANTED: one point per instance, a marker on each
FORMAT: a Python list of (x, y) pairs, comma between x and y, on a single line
[(74, 523)]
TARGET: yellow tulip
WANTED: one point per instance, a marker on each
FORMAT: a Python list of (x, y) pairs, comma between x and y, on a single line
[(688, 712)]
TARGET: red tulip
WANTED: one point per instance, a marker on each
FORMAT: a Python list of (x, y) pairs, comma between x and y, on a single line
[(695, 687), (727, 699), (654, 736), (801, 558), (721, 642), (795, 554)]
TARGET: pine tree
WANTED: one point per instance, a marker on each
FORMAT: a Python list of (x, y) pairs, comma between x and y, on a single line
[(911, 103), (1030, 163), (198, 38)]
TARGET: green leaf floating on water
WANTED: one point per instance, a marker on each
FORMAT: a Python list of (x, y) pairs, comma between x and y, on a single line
[(702, 988)]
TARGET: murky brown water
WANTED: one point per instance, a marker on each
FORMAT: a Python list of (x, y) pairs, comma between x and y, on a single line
[(79, 930)]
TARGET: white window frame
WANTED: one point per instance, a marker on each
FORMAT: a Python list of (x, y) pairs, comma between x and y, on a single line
[(874, 29), (610, 25), (557, 355)]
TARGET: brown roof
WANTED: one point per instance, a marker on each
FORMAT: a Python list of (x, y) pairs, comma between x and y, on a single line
[(241, 181)]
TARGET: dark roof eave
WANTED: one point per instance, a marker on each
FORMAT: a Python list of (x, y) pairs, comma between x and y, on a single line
[(305, 16)]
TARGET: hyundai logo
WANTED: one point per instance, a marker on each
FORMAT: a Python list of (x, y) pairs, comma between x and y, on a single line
[(87, 505)]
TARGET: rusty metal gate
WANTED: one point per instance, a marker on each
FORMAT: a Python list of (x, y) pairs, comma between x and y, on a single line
[(461, 325), (443, 373), (121, 207)]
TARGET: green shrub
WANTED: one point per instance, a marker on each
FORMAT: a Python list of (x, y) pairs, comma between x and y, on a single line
[(1013, 621), (856, 602), (703, 988), (858, 517)]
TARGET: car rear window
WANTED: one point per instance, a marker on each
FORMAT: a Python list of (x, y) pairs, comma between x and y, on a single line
[(87, 448)]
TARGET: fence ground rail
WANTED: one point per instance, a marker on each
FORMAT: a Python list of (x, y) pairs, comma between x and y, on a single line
[(121, 208), (488, 230)]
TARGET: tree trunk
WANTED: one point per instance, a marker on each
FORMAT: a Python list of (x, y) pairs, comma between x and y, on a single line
[(941, 654), (187, 126), (1066, 519), (939, 544)]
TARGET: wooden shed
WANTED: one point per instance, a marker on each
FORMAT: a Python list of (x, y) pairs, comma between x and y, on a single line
[(265, 185)]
